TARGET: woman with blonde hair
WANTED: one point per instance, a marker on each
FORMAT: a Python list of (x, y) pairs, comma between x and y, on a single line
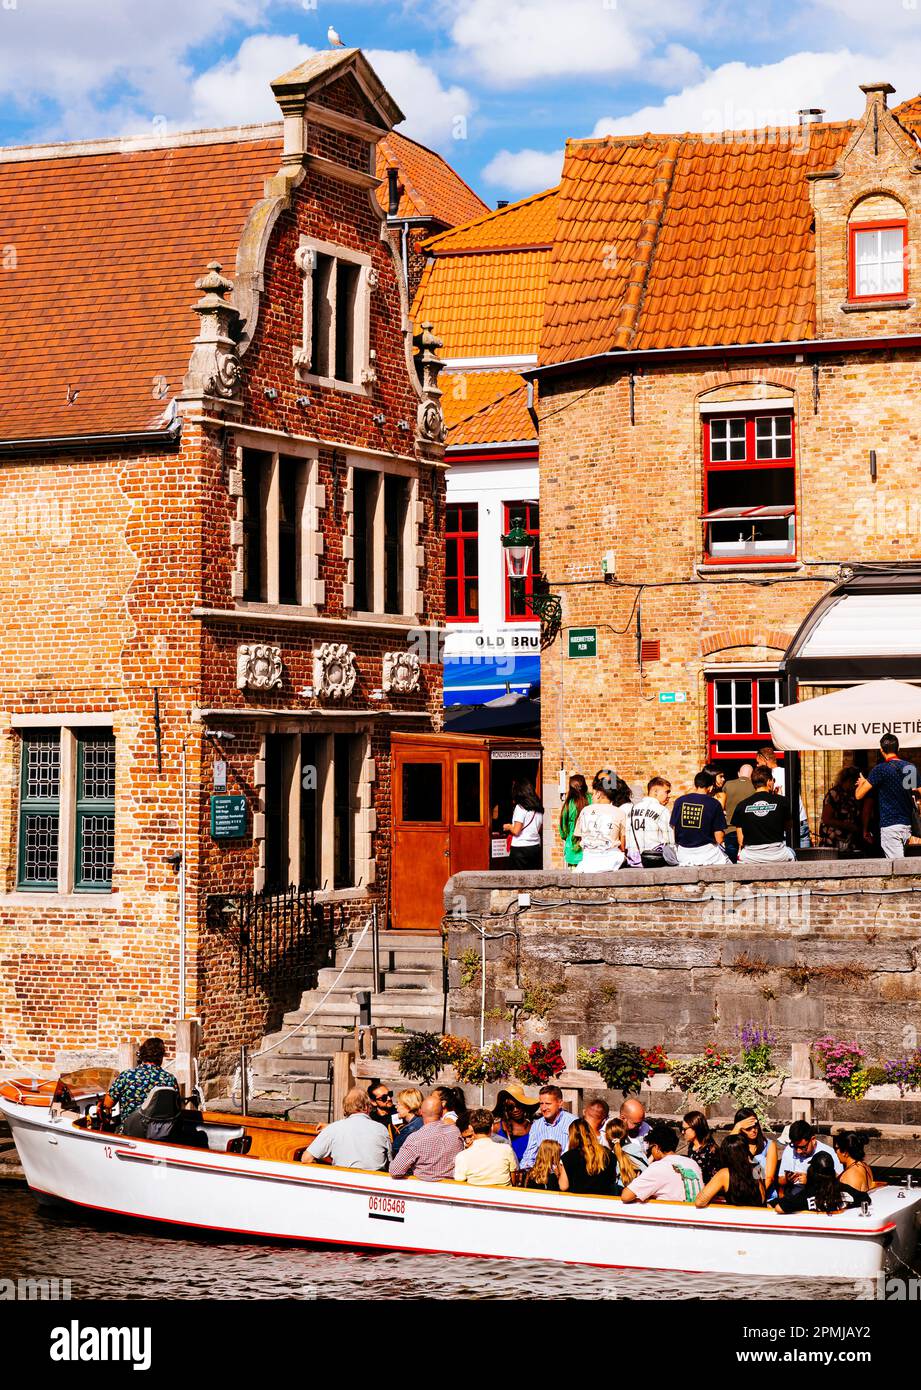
[(409, 1103), (548, 1172), (590, 1168), (616, 1133)]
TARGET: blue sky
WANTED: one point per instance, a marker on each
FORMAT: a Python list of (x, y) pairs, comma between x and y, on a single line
[(495, 85)]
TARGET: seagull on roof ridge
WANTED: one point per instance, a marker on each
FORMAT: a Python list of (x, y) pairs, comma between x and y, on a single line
[(333, 39)]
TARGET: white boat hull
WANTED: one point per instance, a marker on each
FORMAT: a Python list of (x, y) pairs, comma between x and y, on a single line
[(340, 1206)]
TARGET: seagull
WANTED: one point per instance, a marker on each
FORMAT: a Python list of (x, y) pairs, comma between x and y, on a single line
[(333, 39)]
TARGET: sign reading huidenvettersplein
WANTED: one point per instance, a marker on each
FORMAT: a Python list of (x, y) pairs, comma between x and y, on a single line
[(228, 817), (583, 641)]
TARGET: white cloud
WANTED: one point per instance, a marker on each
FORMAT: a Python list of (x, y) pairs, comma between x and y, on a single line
[(236, 91), (435, 115), (677, 67), (737, 96), (524, 171), (517, 41)]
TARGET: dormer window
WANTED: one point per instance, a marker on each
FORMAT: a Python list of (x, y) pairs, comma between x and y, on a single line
[(877, 260)]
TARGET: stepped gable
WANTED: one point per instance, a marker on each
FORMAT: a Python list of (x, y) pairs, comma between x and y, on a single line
[(686, 241)]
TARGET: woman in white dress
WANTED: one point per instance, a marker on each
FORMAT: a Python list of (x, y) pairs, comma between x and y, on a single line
[(600, 828)]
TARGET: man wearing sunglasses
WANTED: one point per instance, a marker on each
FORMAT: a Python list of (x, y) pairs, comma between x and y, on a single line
[(799, 1153), (382, 1106)]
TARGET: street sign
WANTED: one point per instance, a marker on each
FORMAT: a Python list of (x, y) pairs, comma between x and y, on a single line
[(672, 697), (228, 817), (220, 776), (583, 641)]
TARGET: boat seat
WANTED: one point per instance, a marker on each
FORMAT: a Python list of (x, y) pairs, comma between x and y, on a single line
[(220, 1137)]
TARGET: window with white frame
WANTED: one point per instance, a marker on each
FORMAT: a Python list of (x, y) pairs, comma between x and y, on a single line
[(278, 529), (738, 705), (317, 822), (384, 515), (335, 348), (878, 260), (66, 810), (749, 486)]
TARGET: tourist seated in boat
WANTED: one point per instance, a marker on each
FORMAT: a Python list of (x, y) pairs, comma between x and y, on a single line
[(409, 1103), (595, 1113), (513, 1116), (765, 1155), (701, 1142), (668, 1177), (356, 1141), (801, 1150), (821, 1190), (382, 1106), (483, 1163), (553, 1122), (131, 1088), (430, 1152), (454, 1104), (589, 1167), (633, 1114), (735, 1181), (628, 1165), (849, 1150), (548, 1173)]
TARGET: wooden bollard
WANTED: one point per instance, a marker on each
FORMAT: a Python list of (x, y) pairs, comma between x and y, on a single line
[(572, 1100), (802, 1108), (188, 1043), (343, 1080)]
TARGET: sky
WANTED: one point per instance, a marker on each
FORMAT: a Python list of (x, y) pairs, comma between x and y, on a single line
[(497, 86)]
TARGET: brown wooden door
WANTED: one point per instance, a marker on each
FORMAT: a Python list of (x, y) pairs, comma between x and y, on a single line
[(469, 811), (421, 865)]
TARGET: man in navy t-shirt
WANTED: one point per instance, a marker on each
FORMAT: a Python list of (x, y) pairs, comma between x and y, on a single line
[(894, 780), (699, 824)]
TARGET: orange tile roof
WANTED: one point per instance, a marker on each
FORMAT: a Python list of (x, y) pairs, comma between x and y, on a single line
[(530, 222), (675, 241), (486, 408), (108, 245), (487, 305), (431, 188)]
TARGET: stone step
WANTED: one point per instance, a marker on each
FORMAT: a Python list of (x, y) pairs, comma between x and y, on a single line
[(361, 977)]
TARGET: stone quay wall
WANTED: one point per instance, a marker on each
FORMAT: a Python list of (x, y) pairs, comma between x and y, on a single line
[(685, 957)]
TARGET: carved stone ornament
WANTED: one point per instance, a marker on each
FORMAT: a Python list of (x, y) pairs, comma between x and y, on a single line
[(214, 367), (259, 667), (334, 671), (372, 279), (401, 673), (430, 421)]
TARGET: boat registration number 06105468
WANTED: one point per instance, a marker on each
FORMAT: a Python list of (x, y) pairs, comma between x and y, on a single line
[(386, 1206)]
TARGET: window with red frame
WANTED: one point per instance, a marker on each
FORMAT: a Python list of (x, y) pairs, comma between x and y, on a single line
[(749, 487), (877, 260), (462, 562), (527, 516), (738, 705)]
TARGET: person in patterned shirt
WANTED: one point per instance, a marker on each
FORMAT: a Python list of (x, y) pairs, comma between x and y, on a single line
[(131, 1088)]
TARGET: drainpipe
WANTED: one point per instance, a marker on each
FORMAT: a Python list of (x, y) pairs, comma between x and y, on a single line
[(182, 883)]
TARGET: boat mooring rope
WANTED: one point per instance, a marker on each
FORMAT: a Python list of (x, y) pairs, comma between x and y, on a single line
[(286, 1036)]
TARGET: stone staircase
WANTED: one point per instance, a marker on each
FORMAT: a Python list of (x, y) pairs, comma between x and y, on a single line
[(299, 1070)]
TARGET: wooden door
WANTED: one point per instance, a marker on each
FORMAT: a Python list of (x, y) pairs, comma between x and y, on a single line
[(469, 810), (421, 863)]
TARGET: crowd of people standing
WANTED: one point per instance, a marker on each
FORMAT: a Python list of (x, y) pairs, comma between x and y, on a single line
[(720, 820)]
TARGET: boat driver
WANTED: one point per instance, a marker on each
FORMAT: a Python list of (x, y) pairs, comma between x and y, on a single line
[(131, 1088)]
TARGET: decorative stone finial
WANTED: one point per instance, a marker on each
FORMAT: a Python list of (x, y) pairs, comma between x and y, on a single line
[(214, 367), (430, 420)]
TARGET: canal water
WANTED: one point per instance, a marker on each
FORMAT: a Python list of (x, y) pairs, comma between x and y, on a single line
[(110, 1259)]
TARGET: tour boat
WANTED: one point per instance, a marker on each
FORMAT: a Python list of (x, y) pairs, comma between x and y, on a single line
[(249, 1180)]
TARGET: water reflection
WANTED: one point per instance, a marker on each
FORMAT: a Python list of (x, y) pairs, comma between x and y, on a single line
[(113, 1259)]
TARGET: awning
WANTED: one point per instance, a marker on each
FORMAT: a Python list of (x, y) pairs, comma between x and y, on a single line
[(749, 513), (855, 717), (868, 627)]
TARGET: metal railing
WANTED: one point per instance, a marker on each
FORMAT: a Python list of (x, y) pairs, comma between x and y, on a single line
[(282, 937)]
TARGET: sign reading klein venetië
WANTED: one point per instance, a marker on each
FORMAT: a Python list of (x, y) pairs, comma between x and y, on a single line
[(228, 817), (856, 716)]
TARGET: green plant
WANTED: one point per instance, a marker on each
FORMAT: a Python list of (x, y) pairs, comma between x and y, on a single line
[(542, 1062), (539, 997), (587, 1058), (878, 1075), (712, 1075), (419, 1057), (608, 993), (622, 1068), (470, 965), (750, 965), (503, 1059), (840, 1062)]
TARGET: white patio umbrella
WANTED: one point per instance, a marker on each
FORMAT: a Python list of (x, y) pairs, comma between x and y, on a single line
[(854, 717)]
